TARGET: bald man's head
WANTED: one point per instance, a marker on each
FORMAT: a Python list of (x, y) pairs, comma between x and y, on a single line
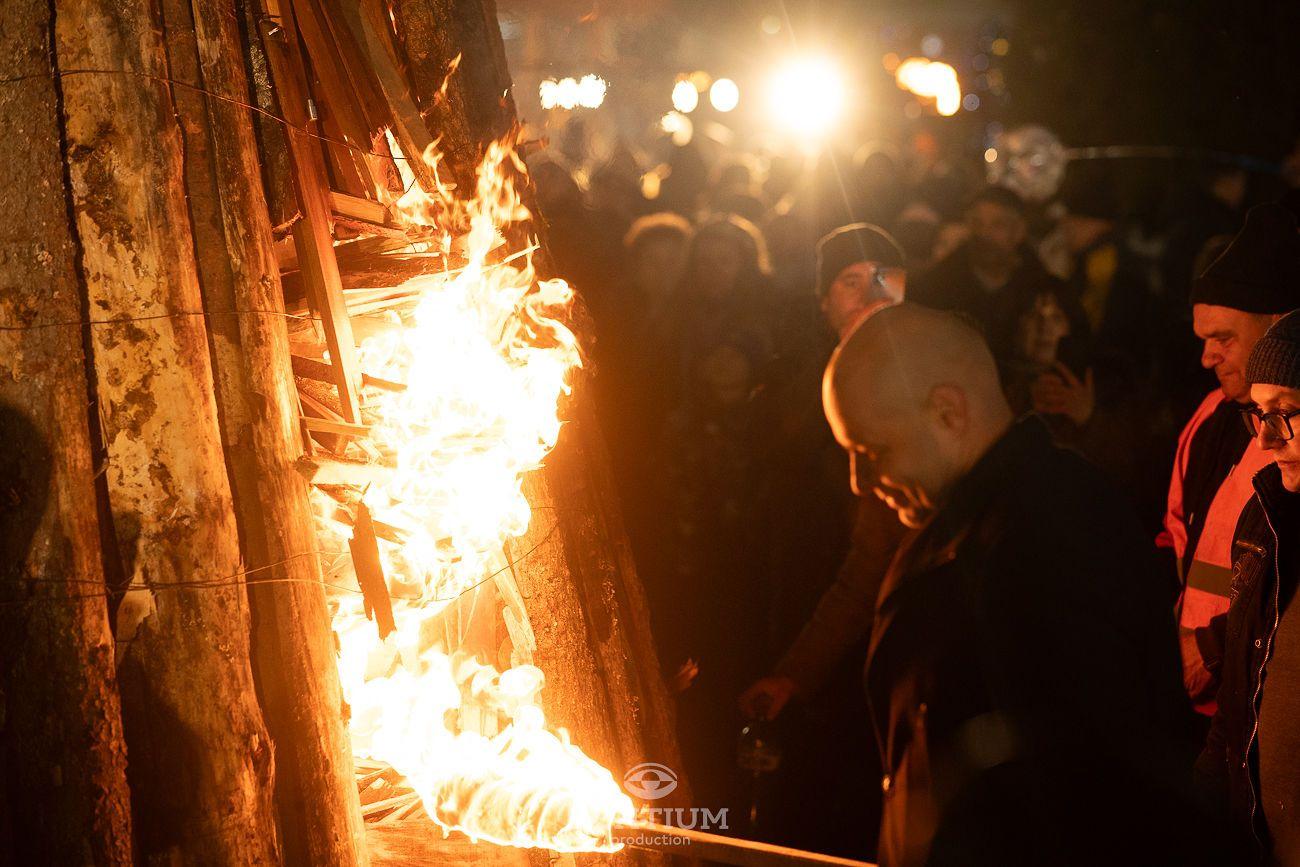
[(914, 393)]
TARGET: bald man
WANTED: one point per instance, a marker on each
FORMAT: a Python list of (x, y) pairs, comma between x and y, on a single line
[(1023, 673)]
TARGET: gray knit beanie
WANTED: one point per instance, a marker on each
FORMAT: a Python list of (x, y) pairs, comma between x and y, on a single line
[(1275, 360)]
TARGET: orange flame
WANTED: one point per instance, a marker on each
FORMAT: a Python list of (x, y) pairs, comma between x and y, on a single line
[(486, 359)]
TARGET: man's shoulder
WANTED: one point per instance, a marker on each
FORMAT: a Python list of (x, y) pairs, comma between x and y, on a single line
[(1208, 405), (1062, 501)]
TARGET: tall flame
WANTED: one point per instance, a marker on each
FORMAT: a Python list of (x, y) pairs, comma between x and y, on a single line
[(485, 358)]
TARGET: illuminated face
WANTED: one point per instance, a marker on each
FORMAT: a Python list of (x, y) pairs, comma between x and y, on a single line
[(1228, 336), (1041, 329), (1285, 453), (858, 288), (896, 457)]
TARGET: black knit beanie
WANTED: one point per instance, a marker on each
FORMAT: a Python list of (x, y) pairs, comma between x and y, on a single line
[(848, 245), (1275, 360), (1260, 270)]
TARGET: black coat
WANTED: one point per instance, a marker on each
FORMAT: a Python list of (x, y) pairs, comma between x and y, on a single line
[(952, 285), (1024, 677), (1236, 647)]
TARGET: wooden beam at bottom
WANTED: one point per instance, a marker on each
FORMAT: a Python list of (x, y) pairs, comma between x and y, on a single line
[(723, 850)]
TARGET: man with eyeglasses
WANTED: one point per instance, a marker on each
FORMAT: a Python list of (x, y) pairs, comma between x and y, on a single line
[(1250, 768), (1242, 293)]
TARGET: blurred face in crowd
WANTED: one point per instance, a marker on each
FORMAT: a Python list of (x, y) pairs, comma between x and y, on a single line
[(857, 289), (1228, 336), (996, 232), (727, 374), (717, 267), (1041, 329), (1285, 453), (658, 264)]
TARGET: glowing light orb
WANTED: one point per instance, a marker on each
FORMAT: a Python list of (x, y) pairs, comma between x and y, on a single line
[(807, 96), (724, 95), (932, 80), (685, 97)]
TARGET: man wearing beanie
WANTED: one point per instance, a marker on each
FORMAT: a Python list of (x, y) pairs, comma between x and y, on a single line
[(1245, 290), (859, 266), (1250, 768)]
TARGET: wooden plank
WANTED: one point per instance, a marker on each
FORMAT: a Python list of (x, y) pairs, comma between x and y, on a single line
[(331, 426), (420, 841), (369, 24), (336, 102), (370, 572), (322, 371), (359, 209), (722, 850), (320, 470), (312, 233)]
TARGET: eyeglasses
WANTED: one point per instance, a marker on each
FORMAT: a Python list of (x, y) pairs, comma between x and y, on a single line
[(1278, 424), (891, 282)]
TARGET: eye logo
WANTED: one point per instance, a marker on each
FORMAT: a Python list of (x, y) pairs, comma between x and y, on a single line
[(650, 780)]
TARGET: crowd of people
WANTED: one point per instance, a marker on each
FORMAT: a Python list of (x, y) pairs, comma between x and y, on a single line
[(1053, 510)]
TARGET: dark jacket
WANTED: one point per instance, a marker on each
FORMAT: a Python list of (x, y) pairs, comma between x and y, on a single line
[(952, 285), (1024, 678), (1236, 647)]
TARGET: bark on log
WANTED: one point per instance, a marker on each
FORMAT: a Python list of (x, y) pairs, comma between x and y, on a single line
[(200, 758), (293, 649), (476, 107), (582, 563), (63, 791)]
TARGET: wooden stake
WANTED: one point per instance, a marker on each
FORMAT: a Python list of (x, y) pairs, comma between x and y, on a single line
[(63, 789), (293, 648), (200, 758)]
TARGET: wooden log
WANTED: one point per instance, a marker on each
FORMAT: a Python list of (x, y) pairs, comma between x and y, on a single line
[(63, 789), (474, 107), (717, 849), (200, 765), (370, 26), (293, 649)]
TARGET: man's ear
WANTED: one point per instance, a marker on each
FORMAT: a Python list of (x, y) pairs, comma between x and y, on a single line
[(947, 406)]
